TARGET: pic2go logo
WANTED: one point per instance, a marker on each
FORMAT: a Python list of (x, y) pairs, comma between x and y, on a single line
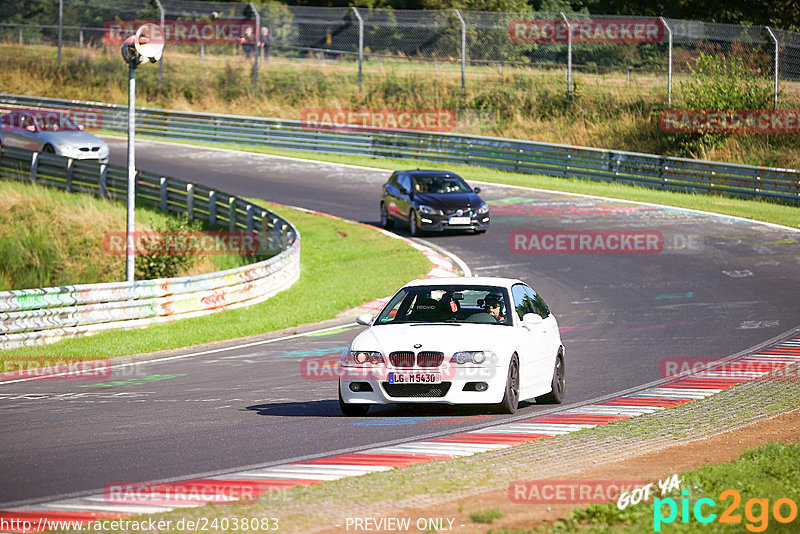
[(756, 511)]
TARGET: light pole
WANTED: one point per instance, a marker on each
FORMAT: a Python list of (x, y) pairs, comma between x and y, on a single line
[(146, 44)]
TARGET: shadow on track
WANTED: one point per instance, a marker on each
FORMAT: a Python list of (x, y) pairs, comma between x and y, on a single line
[(330, 408)]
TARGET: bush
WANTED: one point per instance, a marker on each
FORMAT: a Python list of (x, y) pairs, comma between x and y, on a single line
[(151, 266), (720, 84)]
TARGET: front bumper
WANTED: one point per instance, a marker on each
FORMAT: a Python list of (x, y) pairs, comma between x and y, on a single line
[(457, 387), (440, 223)]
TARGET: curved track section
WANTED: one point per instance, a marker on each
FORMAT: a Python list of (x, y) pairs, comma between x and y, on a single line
[(712, 287)]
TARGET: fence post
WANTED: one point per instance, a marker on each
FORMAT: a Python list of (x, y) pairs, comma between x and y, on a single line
[(20, 34), (256, 51), (463, 49), (34, 165), (103, 180), (190, 201), (669, 61), (163, 193), (70, 161), (360, 43), (80, 38), (161, 59), (60, 28), (212, 207), (569, 56), (777, 64)]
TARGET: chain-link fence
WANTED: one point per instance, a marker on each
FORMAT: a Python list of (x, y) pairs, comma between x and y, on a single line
[(469, 43)]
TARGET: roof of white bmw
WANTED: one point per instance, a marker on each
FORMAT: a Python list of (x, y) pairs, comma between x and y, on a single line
[(466, 281)]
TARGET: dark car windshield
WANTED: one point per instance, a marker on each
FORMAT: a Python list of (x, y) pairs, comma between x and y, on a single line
[(447, 304), (445, 183), (55, 122)]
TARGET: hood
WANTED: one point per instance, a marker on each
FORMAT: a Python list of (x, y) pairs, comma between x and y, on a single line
[(444, 337), (449, 200), (71, 138)]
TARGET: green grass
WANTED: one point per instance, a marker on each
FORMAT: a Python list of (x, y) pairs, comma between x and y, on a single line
[(343, 264), (759, 210), (485, 516), (53, 238), (767, 472)]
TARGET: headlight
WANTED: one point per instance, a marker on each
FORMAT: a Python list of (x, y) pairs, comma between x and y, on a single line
[(427, 210), (352, 358), (483, 209), (472, 356)]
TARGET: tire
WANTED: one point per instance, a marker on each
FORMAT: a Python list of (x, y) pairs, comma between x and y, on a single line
[(557, 385), (48, 149), (352, 410), (413, 227), (386, 222), (510, 400)]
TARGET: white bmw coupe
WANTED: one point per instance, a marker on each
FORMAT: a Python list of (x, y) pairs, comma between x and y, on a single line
[(490, 341)]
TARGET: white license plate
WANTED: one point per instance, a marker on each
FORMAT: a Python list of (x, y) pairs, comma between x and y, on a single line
[(459, 220), (415, 378)]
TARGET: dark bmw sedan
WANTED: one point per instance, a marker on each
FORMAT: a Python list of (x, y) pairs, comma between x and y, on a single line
[(432, 201)]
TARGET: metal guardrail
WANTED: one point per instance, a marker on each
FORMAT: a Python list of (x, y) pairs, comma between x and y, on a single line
[(38, 316), (632, 168)]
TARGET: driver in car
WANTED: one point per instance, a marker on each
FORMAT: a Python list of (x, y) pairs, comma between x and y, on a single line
[(493, 303)]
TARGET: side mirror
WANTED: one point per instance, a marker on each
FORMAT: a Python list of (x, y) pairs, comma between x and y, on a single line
[(365, 319), (532, 319), (477, 189)]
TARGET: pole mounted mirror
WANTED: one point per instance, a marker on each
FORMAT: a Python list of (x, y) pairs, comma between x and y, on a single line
[(147, 45)]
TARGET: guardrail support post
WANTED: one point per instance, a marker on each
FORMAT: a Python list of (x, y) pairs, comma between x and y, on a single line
[(34, 166), (212, 207), (190, 201), (70, 162), (249, 224), (232, 214), (463, 50), (163, 193), (669, 60), (777, 64), (20, 35), (569, 56), (103, 180), (360, 43)]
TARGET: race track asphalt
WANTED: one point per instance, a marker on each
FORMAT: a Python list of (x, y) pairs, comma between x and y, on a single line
[(715, 287)]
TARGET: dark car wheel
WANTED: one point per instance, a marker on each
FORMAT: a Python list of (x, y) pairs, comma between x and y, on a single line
[(413, 225), (510, 400), (352, 410), (48, 149), (386, 222), (557, 385)]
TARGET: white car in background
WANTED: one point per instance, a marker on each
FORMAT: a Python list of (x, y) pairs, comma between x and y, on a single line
[(51, 131), (489, 341)]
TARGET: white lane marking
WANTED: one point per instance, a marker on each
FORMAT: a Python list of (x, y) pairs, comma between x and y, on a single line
[(677, 393), (192, 354), (82, 504), (614, 410), (279, 474), (346, 467)]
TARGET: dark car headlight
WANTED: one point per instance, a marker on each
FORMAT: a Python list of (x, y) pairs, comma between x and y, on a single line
[(427, 210), (484, 209)]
